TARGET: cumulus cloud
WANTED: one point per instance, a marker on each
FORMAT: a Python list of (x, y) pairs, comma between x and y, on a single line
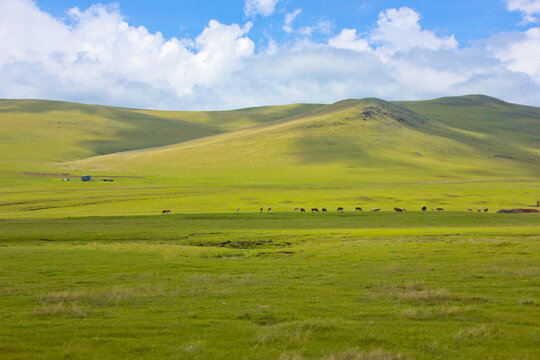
[(399, 30), (519, 51), (100, 58), (529, 8), (260, 7), (348, 39)]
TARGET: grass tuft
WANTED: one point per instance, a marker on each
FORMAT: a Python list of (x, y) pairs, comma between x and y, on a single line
[(357, 354)]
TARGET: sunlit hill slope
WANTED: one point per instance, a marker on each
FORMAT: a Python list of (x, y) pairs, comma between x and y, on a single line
[(352, 141)]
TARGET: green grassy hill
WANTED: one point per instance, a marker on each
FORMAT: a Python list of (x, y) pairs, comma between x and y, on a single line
[(471, 151), (36, 133), (356, 141), (508, 130)]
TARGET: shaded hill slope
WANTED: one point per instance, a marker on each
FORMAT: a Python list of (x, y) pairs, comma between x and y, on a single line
[(497, 126), (36, 133)]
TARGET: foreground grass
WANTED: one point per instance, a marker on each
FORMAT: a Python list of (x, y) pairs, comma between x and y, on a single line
[(281, 286)]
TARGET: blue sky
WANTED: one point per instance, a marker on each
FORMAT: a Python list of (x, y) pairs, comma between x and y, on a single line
[(468, 20), (204, 54)]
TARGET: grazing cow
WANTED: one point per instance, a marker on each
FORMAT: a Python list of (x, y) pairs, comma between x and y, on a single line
[(314, 210), (296, 209), (302, 210), (469, 209), (358, 209), (378, 209), (261, 210), (340, 209), (323, 209), (396, 209), (486, 210), (480, 210), (424, 208), (269, 209), (237, 209), (440, 209), (165, 211)]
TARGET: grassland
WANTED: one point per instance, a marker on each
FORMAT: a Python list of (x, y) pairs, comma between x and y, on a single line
[(91, 271), (471, 151), (271, 286)]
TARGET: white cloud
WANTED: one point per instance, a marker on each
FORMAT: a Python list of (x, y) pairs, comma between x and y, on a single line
[(260, 7), (324, 26), (519, 51), (529, 8), (289, 18), (399, 30), (348, 39), (100, 58)]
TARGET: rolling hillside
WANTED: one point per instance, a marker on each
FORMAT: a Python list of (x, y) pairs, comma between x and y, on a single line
[(471, 151), (36, 133), (354, 141)]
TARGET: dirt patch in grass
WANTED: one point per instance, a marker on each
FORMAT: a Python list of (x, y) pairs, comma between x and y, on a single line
[(428, 313), (415, 294), (275, 254), (352, 354), (242, 244)]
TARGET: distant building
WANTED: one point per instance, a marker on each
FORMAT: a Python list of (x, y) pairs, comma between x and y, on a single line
[(86, 178)]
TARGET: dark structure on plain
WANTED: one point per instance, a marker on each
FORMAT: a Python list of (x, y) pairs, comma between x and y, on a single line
[(86, 178)]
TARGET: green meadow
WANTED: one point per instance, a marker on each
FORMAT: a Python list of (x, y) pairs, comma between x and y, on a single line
[(93, 270), (271, 286)]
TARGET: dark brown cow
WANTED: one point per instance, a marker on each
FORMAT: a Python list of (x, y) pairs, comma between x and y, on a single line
[(396, 209), (485, 210), (314, 210), (166, 211), (340, 209), (323, 209), (261, 210), (424, 208), (302, 210), (440, 209), (269, 209), (358, 209)]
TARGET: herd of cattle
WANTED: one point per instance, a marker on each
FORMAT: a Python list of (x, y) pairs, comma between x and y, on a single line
[(341, 209)]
